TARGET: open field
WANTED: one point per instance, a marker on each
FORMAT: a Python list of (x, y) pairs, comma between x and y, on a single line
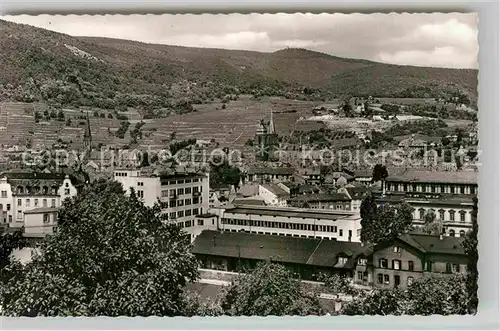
[(406, 101)]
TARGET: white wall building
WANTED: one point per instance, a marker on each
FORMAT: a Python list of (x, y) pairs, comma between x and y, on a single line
[(273, 195), (22, 192), (182, 196), (292, 222)]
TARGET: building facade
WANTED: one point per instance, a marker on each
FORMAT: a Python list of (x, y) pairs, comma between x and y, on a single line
[(292, 222), (182, 196), (22, 192)]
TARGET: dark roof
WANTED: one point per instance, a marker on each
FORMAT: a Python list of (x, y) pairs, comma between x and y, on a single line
[(33, 175), (420, 176), (307, 251), (207, 215), (290, 212), (273, 171), (167, 176), (320, 197), (41, 210), (435, 244), (358, 192)]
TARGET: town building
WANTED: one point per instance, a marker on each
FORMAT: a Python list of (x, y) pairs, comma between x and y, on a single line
[(446, 195), (182, 195), (399, 263), (268, 174), (292, 222), (35, 194), (274, 195), (329, 201)]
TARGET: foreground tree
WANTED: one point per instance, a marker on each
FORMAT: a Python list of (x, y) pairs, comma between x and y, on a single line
[(270, 289), (384, 223), (470, 247), (9, 241), (428, 295), (111, 256)]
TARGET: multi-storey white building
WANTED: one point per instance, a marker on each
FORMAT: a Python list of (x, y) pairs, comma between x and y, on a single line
[(448, 195), (292, 222), (184, 197), (34, 194)]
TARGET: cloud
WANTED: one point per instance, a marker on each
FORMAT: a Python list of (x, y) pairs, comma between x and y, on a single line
[(412, 39)]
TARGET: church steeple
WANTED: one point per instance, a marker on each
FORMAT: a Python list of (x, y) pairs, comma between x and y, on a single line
[(271, 123)]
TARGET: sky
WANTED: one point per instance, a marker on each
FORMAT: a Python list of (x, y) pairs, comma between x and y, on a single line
[(437, 40)]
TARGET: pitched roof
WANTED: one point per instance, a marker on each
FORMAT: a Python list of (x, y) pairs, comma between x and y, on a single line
[(41, 210), (271, 171), (435, 244), (308, 251), (276, 190), (420, 176)]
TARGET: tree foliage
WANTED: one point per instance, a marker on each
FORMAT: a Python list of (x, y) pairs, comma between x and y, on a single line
[(427, 295), (269, 290), (379, 173), (384, 223), (224, 174), (111, 256), (9, 241), (470, 247)]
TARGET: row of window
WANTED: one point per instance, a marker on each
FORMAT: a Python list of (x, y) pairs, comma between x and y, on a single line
[(442, 212), (453, 189), (282, 234), (181, 191), (283, 225), (182, 213), (188, 224), (183, 181), (35, 203), (121, 174), (181, 202), (397, 265)]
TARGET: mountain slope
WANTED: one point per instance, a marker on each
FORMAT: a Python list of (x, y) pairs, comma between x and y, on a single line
[(41, 65)]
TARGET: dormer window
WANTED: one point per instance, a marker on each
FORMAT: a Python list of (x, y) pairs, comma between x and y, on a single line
[(362, 261), (342, 260)]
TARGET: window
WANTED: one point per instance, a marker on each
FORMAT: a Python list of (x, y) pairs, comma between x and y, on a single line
[(180, 191), (462, 216), (441, 214), (4, 194), (46, 218), (410, 265), (10, 218), (188, 181), (19, 202), (180, 203), (180, 213), (342, 260), (66, 191), (188, 224), (8, 206), (180, 181), (462, 189), (341, 233), (397, 280), (172, 215), (380, 278), (187, 202), (172, 204), (452, 215), (397, 249), (36, 202), (462, 233), (360, 275), (452, 233), (455, 268), (442, 188), (448, 268), (396, 264), (188, 190), (362, 262), (421, 212), (196, 201), (350, 233), (53, 203), (428, 266), (164, 193), (67, 185), (19, 214), (382, 263), (28, 203), (44, 203), (140, 194), (196, 211), (200, 222), (386, 279), (172, 193), (140, 183), (409, 281)]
